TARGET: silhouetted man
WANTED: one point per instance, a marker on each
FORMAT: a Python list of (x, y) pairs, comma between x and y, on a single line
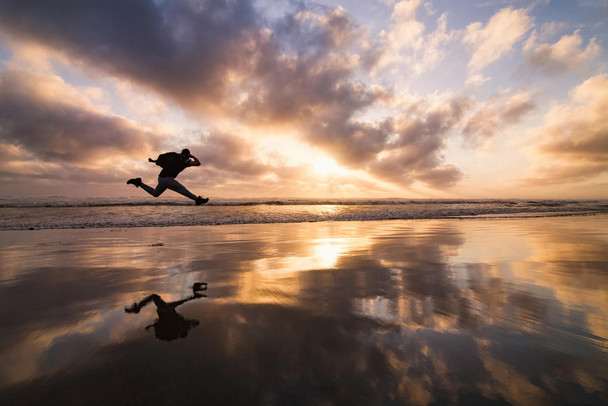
[(170, 324), (172, 164)]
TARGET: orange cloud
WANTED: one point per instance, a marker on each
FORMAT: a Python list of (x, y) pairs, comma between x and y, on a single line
[(572, 144), (566, 55)]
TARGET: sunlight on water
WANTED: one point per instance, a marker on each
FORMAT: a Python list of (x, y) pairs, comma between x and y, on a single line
[(327, 253), (444, 311)]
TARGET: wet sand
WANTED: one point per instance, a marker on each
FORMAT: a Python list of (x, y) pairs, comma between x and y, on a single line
[(475, 311)]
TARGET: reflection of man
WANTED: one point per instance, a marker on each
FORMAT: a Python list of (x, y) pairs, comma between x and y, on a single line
[(170, 324), (172, 164)]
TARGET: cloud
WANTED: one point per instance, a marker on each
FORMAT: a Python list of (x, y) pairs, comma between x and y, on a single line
[(434, 48), (476, 80), (221, 59), (406, 31), (494, 115), (231, 153), (572, 144), (185, 50), (51, 119), (519, 104), (492, 41), (309, 30), (208, 56), (404, 45), (314, 91), (481, 126), (311, 74), (566, 55), (548, 30), (409, 147), (54, 135), (579, 130)]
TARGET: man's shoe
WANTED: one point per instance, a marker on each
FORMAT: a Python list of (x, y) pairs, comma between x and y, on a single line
[(134, 181), (199, 200), (198, 286), (134, 308)]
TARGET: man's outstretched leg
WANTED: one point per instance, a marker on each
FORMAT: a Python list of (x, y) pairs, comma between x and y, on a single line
[(160, 188), (167, 183), (174, 185)]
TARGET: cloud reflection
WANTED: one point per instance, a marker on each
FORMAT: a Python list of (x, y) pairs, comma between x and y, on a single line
[(401, 312)]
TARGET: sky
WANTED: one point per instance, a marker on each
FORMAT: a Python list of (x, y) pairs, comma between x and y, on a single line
[(323, 99)]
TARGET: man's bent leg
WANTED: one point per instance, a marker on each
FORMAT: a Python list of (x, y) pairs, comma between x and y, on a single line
[(174, 185), (160, 188)]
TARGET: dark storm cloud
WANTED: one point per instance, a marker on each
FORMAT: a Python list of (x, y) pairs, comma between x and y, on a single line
[(183, 49), (195, 51), (61, 130)]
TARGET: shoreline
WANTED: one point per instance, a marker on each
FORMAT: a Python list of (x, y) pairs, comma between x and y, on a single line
[(63, 218)]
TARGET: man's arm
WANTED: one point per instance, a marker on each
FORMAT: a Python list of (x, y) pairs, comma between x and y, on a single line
[(194, 162)]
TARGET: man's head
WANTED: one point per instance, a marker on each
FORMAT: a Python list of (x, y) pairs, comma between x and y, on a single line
[(186, 152)]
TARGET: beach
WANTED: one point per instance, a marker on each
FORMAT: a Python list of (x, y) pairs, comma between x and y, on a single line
[(410, 311)]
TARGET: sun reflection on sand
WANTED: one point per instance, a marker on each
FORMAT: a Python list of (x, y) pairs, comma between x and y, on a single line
[(327, 253), (275, 277)]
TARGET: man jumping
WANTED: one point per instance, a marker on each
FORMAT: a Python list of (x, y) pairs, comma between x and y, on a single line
[(172, 164)]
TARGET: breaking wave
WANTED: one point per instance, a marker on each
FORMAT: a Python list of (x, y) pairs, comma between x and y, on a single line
[(61, 201)]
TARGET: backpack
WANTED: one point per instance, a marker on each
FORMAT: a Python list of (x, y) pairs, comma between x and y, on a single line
[(170, 160)]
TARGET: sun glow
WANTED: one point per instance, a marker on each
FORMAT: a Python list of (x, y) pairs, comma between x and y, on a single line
[(325, 166)]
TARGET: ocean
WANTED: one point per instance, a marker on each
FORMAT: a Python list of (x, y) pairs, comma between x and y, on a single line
[(58, 212)]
